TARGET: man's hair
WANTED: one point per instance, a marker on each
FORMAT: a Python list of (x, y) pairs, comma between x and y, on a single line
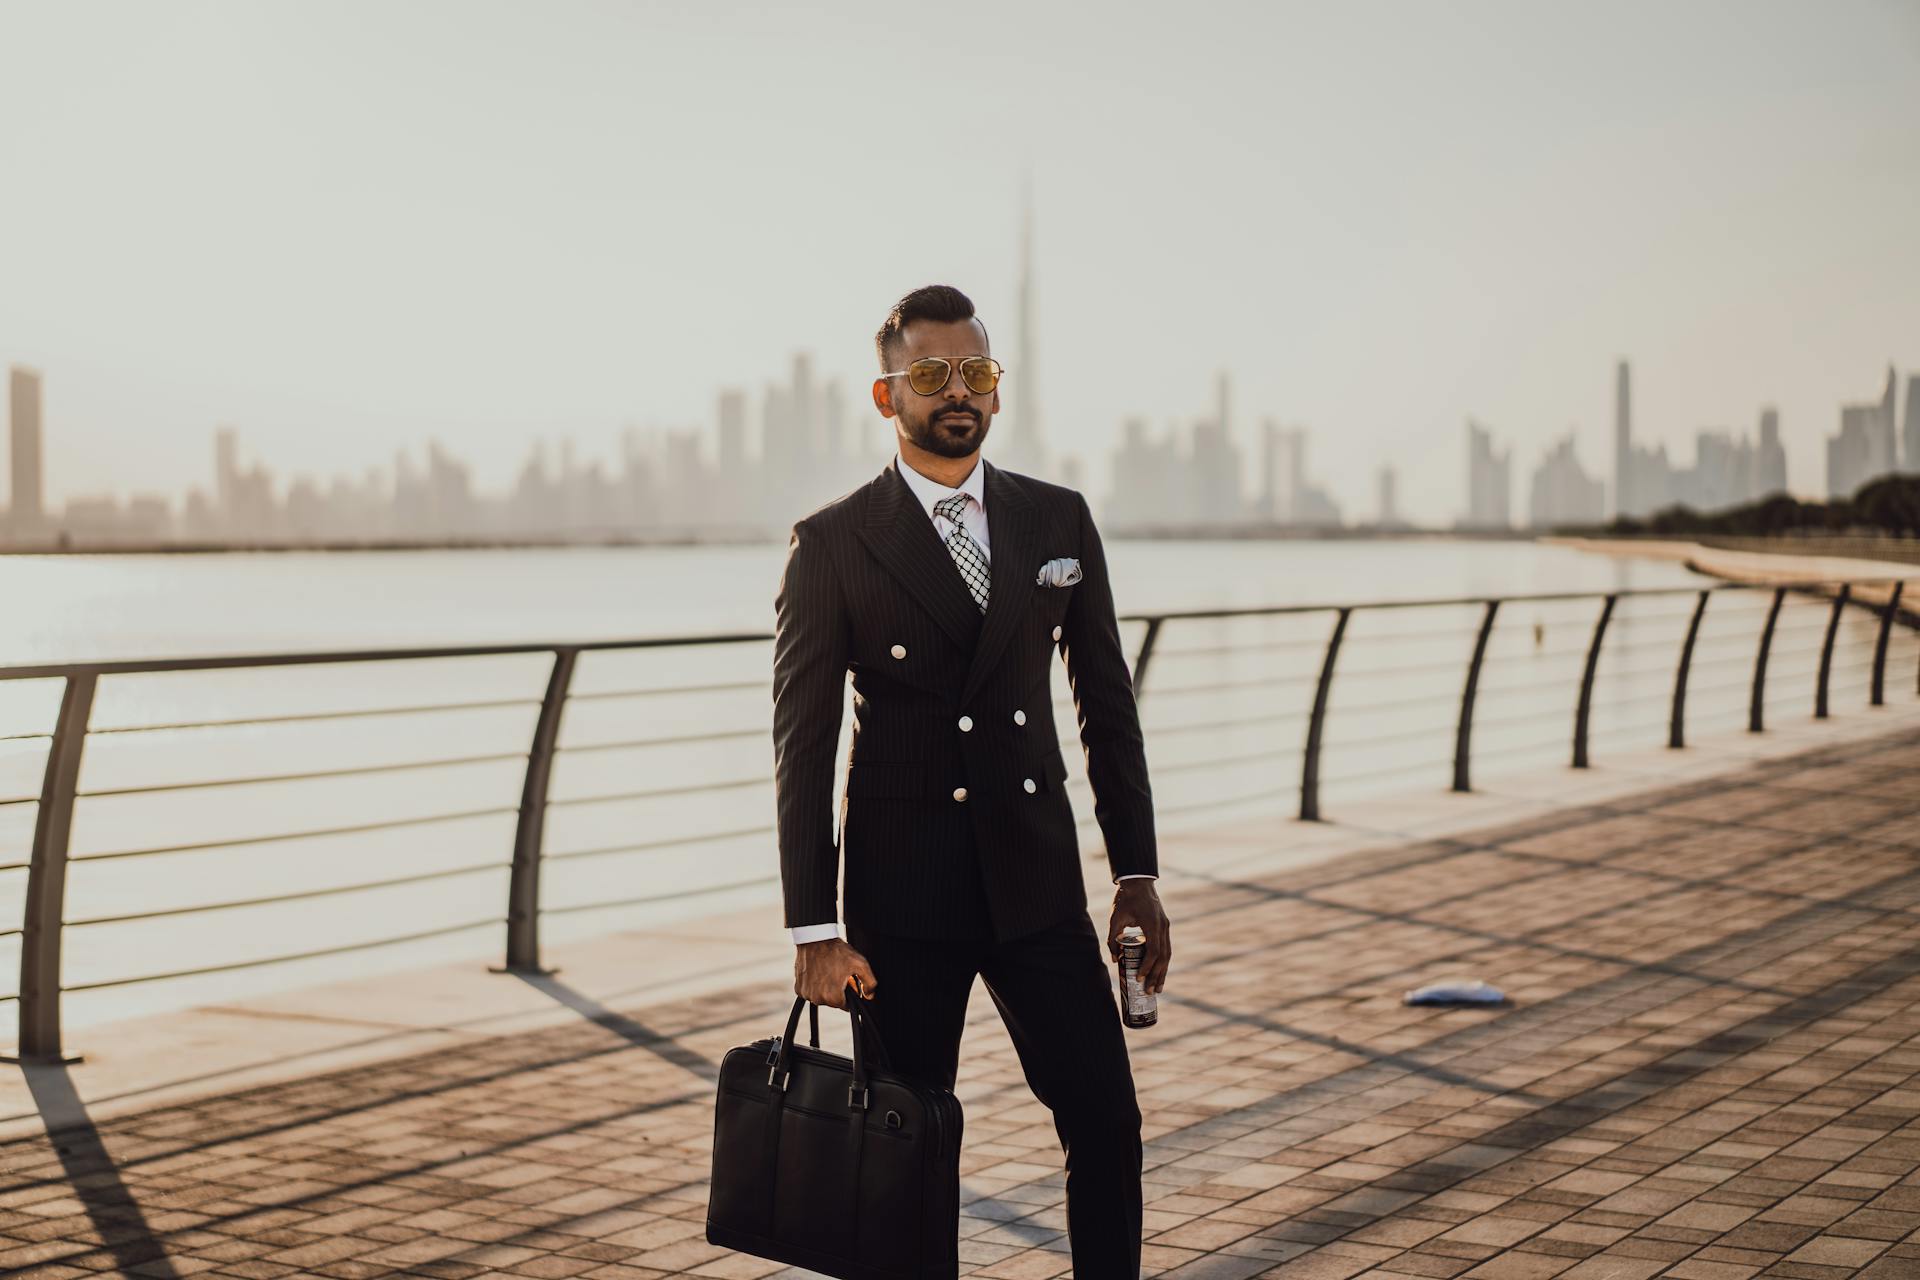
[(940, 302)]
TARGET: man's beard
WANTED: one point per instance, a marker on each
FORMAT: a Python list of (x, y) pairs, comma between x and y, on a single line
[(949, 440)]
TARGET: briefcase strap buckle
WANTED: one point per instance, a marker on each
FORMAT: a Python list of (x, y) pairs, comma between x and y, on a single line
[(777, 1078), (858, 1095)]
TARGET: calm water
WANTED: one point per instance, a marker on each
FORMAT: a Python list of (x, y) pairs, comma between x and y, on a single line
[(70, 608), (1224, 708)]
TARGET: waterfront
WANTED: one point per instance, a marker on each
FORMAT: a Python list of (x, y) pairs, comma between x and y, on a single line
[(1224, 709), (1706, 1057), (76, 607)]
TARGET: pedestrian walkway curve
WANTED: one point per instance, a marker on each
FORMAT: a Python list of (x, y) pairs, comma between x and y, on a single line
[(1706, 1070)]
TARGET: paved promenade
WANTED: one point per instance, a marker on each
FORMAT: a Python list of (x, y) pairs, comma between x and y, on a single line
[(1707, 1071)]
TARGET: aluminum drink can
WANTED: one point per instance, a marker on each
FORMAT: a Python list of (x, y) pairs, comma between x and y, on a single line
[(1137, 1007)]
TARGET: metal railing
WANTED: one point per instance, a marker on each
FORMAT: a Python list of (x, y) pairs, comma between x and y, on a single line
[(42, 928)]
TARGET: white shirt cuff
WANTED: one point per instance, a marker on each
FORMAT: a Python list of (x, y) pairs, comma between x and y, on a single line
[(815, 932), (1136, 875)]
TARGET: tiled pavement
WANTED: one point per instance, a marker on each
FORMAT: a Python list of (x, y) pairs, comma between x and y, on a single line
[(1707, 1071)]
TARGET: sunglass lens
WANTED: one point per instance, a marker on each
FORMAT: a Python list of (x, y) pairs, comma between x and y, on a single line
[(927, 376), (982, 375)]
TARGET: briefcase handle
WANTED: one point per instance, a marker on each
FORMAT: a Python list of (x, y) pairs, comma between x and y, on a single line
[(867, 1014), (866, 1023), (861, 1013)]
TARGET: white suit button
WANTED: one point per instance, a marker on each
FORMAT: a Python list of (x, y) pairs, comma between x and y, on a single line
[(1019, 716), (1028, 784), (966, 723), (959, 793), (900, 650), (1056, 636)]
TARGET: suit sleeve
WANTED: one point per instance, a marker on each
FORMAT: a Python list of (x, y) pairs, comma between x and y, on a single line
[(810, 647), (1102, 685)]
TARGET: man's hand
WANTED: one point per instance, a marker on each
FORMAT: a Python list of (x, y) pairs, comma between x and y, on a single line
[(1137, 902), (822, 970)]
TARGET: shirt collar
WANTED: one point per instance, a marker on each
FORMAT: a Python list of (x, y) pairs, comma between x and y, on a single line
[(931, 491)]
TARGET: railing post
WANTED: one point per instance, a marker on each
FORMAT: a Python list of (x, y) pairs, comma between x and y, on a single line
[(47, 880), (523, 895), (1756, 713), (1463, 737), (1585, 712), (1146, 652), (1310, 769), (1826, 651), (1677, 726), (1880, 644)]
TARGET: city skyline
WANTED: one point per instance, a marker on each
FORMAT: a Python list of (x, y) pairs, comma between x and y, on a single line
[(1728, 469), (517, 227), (705, 481)]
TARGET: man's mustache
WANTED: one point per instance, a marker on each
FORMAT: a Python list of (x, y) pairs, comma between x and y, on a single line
[(966, 410)]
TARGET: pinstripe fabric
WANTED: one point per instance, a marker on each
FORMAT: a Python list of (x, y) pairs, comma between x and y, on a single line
[(865, 574)]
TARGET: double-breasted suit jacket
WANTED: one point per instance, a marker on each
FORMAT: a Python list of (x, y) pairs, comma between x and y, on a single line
[(955, 778)]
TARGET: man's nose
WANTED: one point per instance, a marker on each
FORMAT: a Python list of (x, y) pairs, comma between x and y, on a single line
[(956, 388)]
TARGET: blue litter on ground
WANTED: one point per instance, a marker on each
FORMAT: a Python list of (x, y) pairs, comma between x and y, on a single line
[(1461, 991)]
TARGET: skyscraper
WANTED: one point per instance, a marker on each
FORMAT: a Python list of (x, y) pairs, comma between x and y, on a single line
[(1294, 452), (28, 510), (1623, 498), (1910, 444), (1215, 466), (1389, 499), (1274, 502), (1489, 481), (805, 407), (833, 417), (1309, 503), (733, 433), (226, 470), (1770, 460), (1886, 417), (1864, 447), (1562, 493), (1726, 469), (1026, 449)]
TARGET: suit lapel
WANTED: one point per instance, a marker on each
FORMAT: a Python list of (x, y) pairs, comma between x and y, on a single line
[(1012, 529), (902, 538)]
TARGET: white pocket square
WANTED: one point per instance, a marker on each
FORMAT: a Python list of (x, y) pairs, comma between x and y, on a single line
[(1061, 572)]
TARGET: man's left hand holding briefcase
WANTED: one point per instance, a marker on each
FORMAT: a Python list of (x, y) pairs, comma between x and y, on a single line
[(834, 1164)]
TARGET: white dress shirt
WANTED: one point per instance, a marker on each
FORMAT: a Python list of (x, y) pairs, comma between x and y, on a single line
[(974, 516)]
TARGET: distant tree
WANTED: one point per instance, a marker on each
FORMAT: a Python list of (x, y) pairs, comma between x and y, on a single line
[(1775, 514), (1674, 519), (1888, 506), (1890, 503)]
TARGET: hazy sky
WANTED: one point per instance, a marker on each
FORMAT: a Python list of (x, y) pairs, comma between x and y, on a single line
[(345, 228)]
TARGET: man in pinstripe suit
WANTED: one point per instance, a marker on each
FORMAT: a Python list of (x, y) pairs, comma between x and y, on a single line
[(933, 584)]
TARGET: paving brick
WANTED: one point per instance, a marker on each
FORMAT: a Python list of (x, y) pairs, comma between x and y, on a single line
[(1837, 1251), (1710, 1068)]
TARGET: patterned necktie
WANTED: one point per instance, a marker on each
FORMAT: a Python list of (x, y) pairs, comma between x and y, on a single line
[(966, 553)]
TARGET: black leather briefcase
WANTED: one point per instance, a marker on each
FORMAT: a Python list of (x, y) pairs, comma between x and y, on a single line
[(842, 1167)]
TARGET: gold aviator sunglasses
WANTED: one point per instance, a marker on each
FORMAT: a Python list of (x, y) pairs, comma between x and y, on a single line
[(930, 373)]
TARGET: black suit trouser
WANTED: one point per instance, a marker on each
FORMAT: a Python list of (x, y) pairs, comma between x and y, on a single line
[(1055, 996)]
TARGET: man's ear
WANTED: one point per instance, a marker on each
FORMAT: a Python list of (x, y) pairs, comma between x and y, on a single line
[(883, 397), (996, 402)]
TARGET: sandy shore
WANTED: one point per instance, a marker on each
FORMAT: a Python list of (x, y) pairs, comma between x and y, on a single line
[(1873, 579)]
